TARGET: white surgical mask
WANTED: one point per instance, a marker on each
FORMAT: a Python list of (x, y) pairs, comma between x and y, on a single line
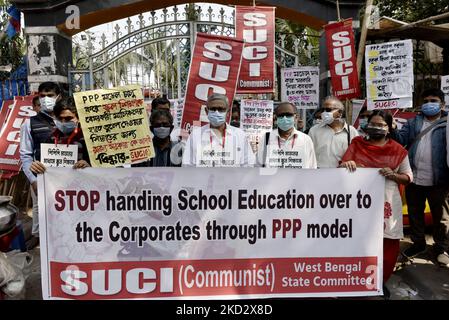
[(47, 103), (327, 117)]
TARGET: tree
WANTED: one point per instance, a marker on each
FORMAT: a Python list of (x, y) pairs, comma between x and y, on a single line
[(12, 50), (412, 10)]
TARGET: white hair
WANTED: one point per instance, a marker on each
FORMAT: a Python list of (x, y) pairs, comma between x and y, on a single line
[(218, 96), (336, 100)]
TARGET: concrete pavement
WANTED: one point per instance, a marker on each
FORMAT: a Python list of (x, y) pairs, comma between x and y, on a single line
[(419, 279)]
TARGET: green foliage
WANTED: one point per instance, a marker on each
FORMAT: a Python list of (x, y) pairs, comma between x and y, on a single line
[(412, 10), (11, 50)]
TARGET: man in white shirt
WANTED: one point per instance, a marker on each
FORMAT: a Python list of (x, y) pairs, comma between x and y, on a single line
[(217, 144), (286, 147), (332, 137)]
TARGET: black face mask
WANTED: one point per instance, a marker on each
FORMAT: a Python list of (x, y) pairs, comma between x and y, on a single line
[(376, 133), (235, 123)]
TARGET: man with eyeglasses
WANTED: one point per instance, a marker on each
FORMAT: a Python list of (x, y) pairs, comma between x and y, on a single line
[(218, 144), (425, 139), (286, 147), (331, 138)]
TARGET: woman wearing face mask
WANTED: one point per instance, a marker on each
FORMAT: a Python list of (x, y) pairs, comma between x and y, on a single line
[(377, 150), (67, 131), (167, 153)]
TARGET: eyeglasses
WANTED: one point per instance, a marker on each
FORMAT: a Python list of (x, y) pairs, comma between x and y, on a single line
[(286, 114), (378, 125), (330, 109), (213, 109)]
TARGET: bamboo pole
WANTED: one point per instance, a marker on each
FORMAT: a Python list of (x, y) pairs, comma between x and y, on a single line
[(364, 31)]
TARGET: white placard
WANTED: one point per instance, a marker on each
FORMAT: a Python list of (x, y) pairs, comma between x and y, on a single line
[(445, 89), (300, 86), (256, 118), (60, 155), (389, 75)]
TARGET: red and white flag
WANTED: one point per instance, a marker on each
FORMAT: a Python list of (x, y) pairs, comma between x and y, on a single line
[(342, 59), (214, 69), (255, 25)]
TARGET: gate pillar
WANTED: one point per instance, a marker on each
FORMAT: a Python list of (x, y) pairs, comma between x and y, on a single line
[(49, 53)]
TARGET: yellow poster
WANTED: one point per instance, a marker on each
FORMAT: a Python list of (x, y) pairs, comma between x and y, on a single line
[(115, 126)]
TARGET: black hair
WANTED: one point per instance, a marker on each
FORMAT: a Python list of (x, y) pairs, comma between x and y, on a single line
[(67, 103), (35, 100), (433, 92), (386, 115), (286, 103), (161, 113), (157, 101), (49, 86)]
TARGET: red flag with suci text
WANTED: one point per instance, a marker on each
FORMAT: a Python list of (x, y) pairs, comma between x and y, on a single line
[(10, 134), (342, 59), (255, 25), (214, 69)]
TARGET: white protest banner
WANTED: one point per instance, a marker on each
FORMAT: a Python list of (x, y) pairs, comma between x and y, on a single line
[(173, 233), (389, 75), (60, 155), (300, 86), (256, 118), (445, 89)]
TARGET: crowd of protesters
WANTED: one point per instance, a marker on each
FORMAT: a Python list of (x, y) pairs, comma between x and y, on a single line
[(415, 156)]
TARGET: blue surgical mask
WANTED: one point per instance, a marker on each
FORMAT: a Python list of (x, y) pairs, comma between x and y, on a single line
[(216, 118), (430, 109), (286, 123), (363, 123), (162, 132), (66, 127)]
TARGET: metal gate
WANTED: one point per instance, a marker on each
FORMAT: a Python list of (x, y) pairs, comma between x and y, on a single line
[(158, 50)]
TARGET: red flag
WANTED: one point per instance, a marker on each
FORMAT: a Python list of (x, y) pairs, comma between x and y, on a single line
[(255, 25), (6, 109), (10, 135), (214, 69), (342, 59)]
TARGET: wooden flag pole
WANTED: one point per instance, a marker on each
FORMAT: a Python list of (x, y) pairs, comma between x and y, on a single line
[(338, 11), (364, 31)]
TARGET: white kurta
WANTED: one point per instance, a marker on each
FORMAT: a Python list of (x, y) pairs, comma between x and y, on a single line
[(294, 152), (204, 148), (393, 225)]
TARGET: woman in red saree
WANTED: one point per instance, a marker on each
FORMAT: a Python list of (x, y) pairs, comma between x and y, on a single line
[(377, 150)]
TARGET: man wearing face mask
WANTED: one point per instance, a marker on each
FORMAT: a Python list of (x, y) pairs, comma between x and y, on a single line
[(425, 139), (218, 144), (286, 147), (34, 131), (168, 153), (332, 137)]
